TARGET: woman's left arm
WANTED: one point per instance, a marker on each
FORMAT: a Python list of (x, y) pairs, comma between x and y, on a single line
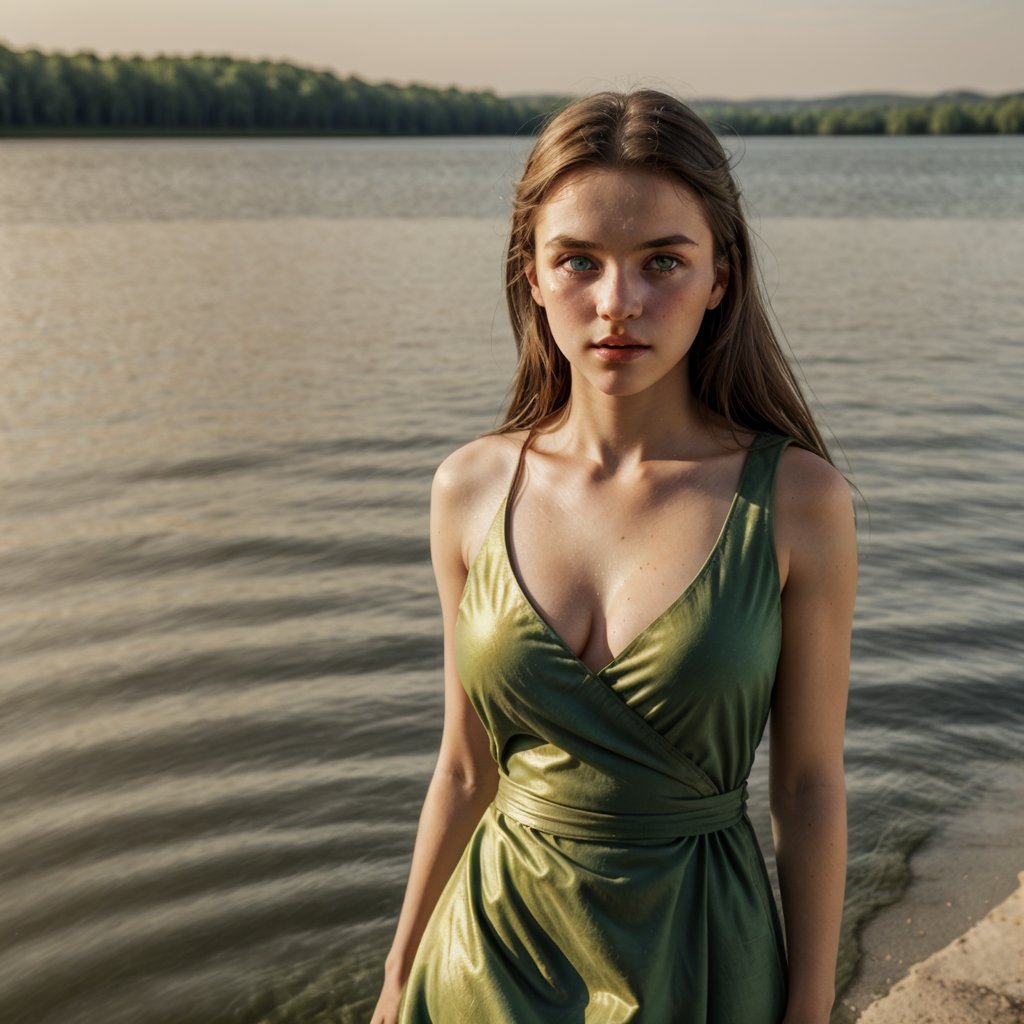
[(816, 540)]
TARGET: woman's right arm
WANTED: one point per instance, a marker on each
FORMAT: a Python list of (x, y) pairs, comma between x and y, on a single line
[(465, 777)]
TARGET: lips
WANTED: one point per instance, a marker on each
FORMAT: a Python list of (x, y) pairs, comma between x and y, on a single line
[(619, 349), (619, 341)]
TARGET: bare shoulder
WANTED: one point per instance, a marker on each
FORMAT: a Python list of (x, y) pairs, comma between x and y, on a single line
[(810, 489), (477, 467), (468, 487), (813, 512)]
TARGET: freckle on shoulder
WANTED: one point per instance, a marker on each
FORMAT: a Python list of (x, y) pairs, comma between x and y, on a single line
[(811, 486)]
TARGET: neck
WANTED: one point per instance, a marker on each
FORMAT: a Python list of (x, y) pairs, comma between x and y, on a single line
[(613, 430)]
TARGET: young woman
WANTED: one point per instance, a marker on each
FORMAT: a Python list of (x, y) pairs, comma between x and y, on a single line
[(649, 555)]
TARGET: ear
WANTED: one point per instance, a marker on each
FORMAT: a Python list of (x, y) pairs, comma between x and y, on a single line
[(721, 283), (531, 276)]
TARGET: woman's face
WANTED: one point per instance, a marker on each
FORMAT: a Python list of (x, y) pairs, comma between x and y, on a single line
[(625, 269)]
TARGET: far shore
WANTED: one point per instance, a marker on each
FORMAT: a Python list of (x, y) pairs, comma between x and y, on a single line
[(19, 132)]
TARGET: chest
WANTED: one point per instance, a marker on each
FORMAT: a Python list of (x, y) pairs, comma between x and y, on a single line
[(601, 564)]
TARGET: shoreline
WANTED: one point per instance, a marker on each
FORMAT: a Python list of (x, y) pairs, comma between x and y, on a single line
[(976, 979), (969, 866)]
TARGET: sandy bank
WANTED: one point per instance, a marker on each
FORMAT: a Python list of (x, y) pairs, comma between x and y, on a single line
[(976, 979), (968, 867)]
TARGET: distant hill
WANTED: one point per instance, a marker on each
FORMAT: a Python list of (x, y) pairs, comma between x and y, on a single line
[(849, 101)]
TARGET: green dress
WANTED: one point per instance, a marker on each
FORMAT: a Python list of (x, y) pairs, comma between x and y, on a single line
[(616, 877)]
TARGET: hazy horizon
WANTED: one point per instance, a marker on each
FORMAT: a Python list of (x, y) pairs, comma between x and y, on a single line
[(793, 50)]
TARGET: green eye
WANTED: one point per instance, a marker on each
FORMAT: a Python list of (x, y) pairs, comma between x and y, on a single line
[(664, 264), (578, 263)]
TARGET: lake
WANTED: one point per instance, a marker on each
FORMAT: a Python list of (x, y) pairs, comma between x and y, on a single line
[(230, 368)]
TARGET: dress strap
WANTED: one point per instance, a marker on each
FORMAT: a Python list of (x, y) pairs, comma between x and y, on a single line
[(514, 484), (751, 553), (763, 463)]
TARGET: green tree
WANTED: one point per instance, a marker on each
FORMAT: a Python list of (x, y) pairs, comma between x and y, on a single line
[(950, 119), (907, 121), (806, 122), (1009, 116)]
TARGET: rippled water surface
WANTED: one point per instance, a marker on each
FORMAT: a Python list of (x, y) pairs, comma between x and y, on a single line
[(229, 369)]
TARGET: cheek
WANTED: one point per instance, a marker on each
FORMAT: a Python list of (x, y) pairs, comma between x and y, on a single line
[(689, 299), (561, 298), (567, 317)]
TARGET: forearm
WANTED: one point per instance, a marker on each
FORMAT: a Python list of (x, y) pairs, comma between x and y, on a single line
[(451, 811), (810, 848)]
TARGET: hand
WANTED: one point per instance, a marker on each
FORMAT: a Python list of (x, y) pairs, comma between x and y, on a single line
[(386, 1010)]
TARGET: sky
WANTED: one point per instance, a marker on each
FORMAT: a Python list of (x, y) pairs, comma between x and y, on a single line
[(733, 49)]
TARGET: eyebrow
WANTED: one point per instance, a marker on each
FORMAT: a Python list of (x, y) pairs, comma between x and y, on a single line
[(566, 242)]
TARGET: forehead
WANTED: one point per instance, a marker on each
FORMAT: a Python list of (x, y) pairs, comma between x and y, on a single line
[(601, 203)]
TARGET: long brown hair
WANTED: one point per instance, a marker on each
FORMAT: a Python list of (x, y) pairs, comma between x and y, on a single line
[(736, 365)]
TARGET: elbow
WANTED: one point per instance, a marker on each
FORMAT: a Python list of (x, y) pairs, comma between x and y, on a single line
[(468, 778), (810, 817), (817, 791)]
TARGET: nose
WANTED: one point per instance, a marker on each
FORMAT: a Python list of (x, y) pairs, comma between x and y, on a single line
[(618, 295)]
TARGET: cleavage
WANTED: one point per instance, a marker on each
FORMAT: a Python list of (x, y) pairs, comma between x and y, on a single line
[(600, 574)]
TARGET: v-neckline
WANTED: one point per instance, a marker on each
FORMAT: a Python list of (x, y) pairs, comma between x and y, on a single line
[(675, 603)]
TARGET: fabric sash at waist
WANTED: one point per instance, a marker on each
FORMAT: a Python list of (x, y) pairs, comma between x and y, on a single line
[(700, 815)]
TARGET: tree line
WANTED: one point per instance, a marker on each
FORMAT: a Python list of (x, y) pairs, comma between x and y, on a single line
[(56, 93), (1003, 115), (41, 92)]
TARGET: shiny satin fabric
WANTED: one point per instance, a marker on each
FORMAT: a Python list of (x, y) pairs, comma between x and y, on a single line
[(616, 877)]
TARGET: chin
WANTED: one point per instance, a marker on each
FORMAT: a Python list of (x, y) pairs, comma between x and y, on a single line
[(621, 387), (624, 382)]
